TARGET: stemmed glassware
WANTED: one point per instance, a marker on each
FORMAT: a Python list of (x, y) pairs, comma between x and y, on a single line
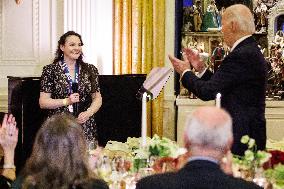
[(104, 168), (92, 146)]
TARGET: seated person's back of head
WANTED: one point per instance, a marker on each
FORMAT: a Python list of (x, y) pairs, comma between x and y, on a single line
[(209, 132), (59, 157)]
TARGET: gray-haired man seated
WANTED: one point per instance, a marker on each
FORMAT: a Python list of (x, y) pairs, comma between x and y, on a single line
[(208, 137)]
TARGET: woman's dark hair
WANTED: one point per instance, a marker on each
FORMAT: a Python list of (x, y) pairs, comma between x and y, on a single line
[(62, 40), (59, 156), (59, 53)]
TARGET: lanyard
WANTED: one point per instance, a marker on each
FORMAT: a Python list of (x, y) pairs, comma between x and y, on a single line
[(68, 75)]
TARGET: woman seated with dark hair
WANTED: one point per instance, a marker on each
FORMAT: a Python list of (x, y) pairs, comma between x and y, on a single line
[(59, 158)]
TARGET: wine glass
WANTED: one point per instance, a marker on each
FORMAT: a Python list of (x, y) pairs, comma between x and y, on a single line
[(105, 168), (92, 146)]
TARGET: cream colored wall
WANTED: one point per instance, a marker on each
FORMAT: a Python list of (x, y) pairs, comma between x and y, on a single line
[(169, 97), (274, 114), (93, 20), (27, 35)]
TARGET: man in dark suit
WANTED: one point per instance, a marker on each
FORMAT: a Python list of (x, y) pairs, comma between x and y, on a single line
[(208, 138), (241, 77)]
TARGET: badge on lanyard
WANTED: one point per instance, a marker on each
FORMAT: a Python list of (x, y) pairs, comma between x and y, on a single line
[(70, 108), (70, 80)]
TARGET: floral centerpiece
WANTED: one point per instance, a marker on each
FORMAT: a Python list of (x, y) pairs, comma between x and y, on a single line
[(263, 167), (249, 165), (162, 154), (277, 157), (274, 168), (276, 176), (156, 148), (129, 161)]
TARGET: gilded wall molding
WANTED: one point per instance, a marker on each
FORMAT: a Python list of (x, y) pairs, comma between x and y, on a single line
[(5, 57), (275, 11)]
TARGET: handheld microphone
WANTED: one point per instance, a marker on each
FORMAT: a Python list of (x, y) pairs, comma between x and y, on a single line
[(75, 105)]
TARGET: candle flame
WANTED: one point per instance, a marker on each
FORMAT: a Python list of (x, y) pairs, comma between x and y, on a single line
[(218, 100)]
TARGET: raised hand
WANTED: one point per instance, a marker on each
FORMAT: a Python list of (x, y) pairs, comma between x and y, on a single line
[(193, 58), (8, 133), (178, 64), (8, 141)]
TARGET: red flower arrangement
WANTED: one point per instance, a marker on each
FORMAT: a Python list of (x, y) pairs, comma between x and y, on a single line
[(277, 157), (166, 164)]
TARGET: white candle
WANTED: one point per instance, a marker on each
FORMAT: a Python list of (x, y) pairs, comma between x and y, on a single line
[(218, 100), (144, 120)]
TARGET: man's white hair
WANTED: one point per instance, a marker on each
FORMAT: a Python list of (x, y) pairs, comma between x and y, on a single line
[(200, 133), (243, 16)]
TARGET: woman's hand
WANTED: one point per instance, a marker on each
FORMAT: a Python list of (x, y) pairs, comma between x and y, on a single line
[(8, 133), (94, 107), (73, 98), (8, 141), (84, 116)]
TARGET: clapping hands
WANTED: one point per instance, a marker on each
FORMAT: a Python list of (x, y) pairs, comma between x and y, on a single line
[(179, 65), (193, 57), (190, 58)]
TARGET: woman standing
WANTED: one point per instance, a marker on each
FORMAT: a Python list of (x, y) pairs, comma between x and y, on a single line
[(71, 85)]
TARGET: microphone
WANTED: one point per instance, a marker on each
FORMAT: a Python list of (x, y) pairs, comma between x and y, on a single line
[(75, 105)]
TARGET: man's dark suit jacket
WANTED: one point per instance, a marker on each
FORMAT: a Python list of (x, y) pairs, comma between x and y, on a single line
[(241, 80), (198, 174)]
